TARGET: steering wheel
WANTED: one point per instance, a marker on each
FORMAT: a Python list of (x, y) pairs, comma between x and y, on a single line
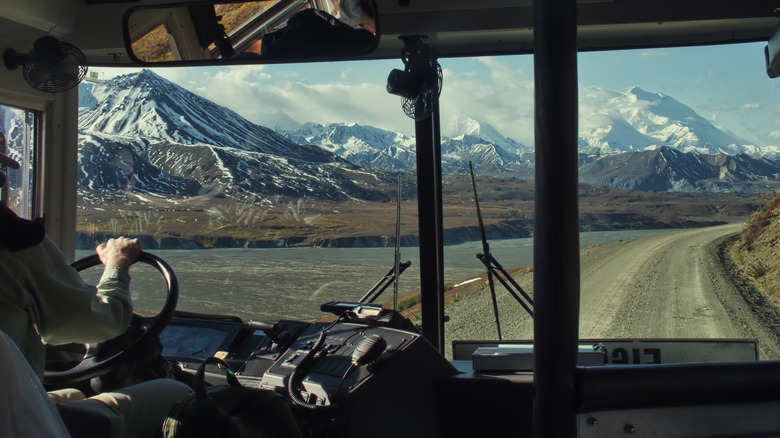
[(96, 361)]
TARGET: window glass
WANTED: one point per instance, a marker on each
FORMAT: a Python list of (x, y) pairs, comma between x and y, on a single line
[(18, 126), (273, 189), (674, 140), (257, 222)]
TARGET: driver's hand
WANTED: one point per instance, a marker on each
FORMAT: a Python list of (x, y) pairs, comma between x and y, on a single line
[(120, 253)]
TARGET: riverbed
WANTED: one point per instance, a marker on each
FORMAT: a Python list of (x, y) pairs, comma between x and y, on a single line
[(291, 283)]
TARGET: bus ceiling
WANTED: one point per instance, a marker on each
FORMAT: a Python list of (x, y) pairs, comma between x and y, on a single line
[(107, 31), (468, 28)]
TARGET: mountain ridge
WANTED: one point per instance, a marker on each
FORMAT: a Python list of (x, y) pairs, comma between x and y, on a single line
[(175, 141), (144, 105), (653, 120)]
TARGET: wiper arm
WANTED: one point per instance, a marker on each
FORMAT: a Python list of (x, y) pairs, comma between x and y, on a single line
[(494, 268), (384, 283)]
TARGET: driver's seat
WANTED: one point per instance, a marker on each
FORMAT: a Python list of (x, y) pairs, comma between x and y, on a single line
[(84, 423)]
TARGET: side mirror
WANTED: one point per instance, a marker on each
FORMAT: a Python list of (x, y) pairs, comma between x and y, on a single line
[(240, 32), (772, 54)]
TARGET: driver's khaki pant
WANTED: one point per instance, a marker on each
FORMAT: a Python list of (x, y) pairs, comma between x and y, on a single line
[(136, 411)]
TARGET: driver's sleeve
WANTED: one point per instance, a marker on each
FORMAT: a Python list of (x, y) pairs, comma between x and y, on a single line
[(70, 310)]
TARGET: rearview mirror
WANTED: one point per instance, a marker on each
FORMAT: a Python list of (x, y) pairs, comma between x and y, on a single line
[(772, 54), (250, 31)]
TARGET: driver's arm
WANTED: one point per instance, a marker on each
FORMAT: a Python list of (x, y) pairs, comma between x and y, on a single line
[(69, 310)]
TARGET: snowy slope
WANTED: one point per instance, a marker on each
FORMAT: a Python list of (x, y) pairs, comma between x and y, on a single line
[(147, 106), (638, 120), (668, 169), (365, 146), (461, 126), (376, 148), (141, 132)]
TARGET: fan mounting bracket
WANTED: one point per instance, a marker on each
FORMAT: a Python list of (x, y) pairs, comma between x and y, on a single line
[(12, 59)]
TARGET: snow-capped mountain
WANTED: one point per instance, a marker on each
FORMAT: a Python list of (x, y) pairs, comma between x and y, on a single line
[(280, 122), (143, 132), (364, 146), (487, 157), (12, 127), (668, 169), (376, 148), (461, 126), (611, 123), (145, 105), (638, 120)]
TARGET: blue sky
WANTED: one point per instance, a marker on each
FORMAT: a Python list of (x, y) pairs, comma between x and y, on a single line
[(727, 85)]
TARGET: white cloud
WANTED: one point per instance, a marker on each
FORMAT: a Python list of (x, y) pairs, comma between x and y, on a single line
[(259, 94), (489, 90), (592, 110), (105, 74), (502, 96), (493, 92), (363, 103), (496, 90)]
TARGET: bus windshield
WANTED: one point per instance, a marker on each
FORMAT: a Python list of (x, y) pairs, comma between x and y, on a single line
[(274, 189)]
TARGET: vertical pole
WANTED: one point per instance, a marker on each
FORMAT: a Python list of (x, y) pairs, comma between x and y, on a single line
[(397, 255), (429, 205), (437, 187), (420, 83), (60, 155), (556, 235)]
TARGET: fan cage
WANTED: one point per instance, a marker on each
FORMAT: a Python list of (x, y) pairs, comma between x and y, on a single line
[(421, 106), (56, 75)]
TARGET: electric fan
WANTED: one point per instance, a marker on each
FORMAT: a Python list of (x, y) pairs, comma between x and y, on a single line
[(419, 84), (51, 66)]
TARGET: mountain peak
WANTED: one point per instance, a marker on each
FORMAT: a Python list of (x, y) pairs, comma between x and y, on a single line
[(638, 120), (460, 126), (465, 125), (146, 105), (641, 94), (141, 79), (280, 121)]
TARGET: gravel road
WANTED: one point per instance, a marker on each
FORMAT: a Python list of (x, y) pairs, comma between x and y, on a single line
[(669, 285)]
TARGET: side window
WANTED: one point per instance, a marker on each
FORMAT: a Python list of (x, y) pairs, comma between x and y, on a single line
[(19, 127)]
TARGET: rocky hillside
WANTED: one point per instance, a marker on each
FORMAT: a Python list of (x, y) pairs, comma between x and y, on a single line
[(757, 251), (667, 169)]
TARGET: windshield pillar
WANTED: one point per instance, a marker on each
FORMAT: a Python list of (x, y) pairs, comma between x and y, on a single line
[(556, 227), (429, 198), (420, 84)]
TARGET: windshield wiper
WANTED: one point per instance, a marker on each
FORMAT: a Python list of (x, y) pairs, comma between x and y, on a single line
[(495, 269), (384, 282)]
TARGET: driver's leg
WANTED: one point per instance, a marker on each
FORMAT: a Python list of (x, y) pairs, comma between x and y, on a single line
[(139, 409), (66, 394)]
